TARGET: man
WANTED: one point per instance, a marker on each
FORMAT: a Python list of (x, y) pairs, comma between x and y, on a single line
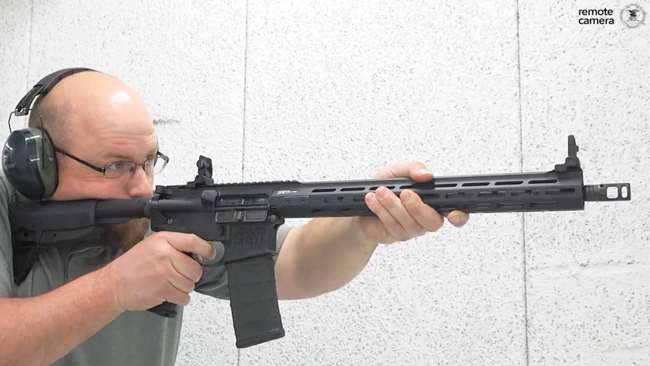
[(83, 305)]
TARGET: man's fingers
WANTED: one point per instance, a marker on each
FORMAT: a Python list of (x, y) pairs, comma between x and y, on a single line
[(176, 296), (186, 266), (397, 210), (185, 272), (182, 283), (409, 169), (457, 218), (184, 244), (419, 173), (425, 215), (189, 243), (392, 226)]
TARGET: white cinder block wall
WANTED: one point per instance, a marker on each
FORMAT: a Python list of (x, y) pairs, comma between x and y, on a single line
[(336, 90)]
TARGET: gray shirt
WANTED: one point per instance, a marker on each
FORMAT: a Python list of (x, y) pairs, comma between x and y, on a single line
[(135, 337)]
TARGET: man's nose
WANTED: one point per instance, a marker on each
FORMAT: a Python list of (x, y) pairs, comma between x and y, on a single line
[(140, 183)]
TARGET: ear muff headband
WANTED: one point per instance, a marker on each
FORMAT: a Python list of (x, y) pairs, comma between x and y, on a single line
[(28, 156), (43, 87)]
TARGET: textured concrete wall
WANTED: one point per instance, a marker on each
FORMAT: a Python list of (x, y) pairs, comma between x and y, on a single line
[(588, 273), (335, 90)]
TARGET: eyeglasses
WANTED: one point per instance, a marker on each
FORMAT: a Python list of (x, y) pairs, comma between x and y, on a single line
[(153, 164)]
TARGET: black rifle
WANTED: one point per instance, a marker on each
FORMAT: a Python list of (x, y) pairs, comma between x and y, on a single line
[(245, 218)]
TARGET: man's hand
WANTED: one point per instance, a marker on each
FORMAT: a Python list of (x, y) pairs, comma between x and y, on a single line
[(156, 270), (404, 217)]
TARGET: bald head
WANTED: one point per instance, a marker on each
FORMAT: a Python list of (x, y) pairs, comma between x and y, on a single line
[(86, 102)]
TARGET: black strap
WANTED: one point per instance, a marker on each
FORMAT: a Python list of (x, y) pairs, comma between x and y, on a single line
[(43, 87)]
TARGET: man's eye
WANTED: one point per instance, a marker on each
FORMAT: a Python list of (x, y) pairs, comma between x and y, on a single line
[(118, 166)]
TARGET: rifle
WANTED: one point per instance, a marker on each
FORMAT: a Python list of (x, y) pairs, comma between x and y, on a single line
[(245, 217)]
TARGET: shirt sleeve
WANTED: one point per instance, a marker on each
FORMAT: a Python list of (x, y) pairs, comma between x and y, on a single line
[(6, 250), (215, 278), (283, 231)]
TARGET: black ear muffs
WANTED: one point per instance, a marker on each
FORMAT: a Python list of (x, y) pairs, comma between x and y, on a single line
[(29, 163), (28, 157)]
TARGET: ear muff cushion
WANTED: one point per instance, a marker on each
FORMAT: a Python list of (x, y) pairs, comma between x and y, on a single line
[(29, 163)]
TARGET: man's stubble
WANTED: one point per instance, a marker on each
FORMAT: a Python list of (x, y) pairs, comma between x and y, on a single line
[(125, 236)]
